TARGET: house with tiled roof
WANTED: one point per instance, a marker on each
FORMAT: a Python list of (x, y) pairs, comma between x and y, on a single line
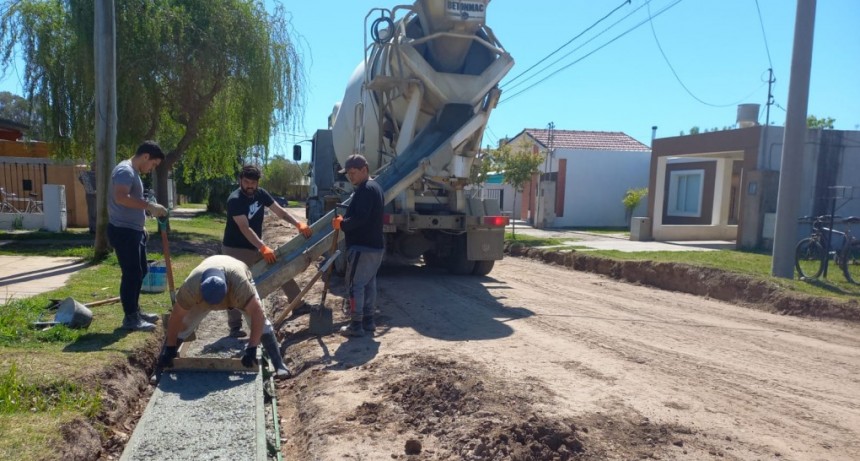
[(582, 181)]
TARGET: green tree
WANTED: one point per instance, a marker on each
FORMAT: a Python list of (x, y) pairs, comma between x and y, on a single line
[(484, 164), (825, 123), (281, 177), (17, 109), (632, 198), (518, 164), (207, 79)]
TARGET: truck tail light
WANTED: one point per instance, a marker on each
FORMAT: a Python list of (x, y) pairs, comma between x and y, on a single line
[(496, 221), (387, 218)]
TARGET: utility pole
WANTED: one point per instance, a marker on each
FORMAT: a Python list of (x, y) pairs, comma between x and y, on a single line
[(770, 82), (790, 175), (104, 43)]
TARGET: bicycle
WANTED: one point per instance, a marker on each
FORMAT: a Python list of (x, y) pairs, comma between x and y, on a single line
[(5, 206), (813, 253)]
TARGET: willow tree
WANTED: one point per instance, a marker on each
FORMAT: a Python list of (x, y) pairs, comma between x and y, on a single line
[(207, 79)]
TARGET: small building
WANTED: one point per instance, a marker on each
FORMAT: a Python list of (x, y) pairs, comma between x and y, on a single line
[(723, 185), (26, 167), (584, 177)]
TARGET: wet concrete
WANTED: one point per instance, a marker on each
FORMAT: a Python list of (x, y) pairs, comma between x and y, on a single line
[(203, 415)]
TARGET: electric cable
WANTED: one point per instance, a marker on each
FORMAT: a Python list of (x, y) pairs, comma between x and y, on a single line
[(548, 66), (589, 53), (678, 78), (764, 36), (626, 2)]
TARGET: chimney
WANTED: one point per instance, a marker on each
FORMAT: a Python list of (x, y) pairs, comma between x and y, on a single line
[(747, 115)]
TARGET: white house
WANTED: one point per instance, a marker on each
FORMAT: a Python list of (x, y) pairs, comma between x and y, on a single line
[(583, 179)]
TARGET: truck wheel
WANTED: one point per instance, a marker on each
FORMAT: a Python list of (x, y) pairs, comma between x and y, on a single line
[(483, 267), (459, 265), (431, 259)]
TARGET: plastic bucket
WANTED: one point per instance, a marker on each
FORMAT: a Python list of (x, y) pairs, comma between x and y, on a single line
[(155, 280), (73, 314)]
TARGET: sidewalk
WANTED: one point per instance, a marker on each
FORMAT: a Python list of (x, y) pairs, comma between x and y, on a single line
[(25, 276), (619, 242)]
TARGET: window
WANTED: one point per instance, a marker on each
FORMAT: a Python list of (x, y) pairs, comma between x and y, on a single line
[(685, 193)]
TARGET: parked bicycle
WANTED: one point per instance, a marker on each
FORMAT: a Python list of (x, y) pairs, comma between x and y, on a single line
[(813, 253)]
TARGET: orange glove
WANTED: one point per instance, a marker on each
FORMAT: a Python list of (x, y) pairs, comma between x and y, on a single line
[(335, 223), (304, 229), (268, 254)]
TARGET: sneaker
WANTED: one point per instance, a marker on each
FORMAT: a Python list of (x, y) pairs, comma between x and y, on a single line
[(354, 330), (151, 318), (368, 324), (137, 324), (238, 333)]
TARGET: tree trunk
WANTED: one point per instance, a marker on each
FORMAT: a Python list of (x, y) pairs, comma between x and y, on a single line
[(513, 217), (106, 117)]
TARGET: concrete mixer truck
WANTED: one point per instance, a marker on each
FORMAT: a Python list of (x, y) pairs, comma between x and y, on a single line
[(416, 107)]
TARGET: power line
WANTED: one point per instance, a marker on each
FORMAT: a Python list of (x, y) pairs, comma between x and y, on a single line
[(678, 78), (590, 53), (494, 135), (764, 36), (536, 74), (626, 2)]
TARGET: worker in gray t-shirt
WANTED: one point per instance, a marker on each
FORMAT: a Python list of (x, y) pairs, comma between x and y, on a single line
[(125, 231)]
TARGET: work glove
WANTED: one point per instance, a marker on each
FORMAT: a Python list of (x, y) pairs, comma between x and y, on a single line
[(304, 229), (156, 210), (335, 223), (249, 360), (268, 254), (167, 355)]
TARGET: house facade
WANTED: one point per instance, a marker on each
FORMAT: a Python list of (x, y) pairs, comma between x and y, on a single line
[(25, 169), (724, 185), (582, 181)]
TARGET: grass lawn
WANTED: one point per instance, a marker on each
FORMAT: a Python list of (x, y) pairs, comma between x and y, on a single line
[(754, 264), (43, 374)]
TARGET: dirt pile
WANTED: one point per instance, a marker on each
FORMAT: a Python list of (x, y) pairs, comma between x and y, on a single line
[(448, 409)]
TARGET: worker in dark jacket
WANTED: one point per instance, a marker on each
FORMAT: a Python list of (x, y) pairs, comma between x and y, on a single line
[(362, 227)]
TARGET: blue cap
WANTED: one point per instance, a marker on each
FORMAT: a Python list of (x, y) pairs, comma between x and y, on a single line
[(213, 285)]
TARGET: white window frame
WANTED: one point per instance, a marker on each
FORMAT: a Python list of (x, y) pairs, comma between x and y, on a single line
[(674, 177)]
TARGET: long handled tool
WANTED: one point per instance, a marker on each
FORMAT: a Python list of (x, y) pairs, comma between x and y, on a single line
[(162, 227), (279, 322), (165, 246), (321, 320)]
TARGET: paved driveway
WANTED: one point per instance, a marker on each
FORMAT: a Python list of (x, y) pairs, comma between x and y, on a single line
[(620, 242), (24, 276)]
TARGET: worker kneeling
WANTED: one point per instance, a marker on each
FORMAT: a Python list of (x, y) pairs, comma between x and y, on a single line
[(219, 283)]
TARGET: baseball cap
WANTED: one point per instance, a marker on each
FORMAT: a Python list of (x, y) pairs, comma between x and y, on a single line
[(354, 161), (213, 285)]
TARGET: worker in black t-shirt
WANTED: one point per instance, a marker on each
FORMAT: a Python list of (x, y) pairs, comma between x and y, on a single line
[(243, 236)]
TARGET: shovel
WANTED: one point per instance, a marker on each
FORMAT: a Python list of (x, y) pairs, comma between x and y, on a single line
[(282, 317), (321, 320), (162, 227)]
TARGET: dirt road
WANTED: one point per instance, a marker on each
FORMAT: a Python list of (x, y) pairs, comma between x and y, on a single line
[(541, 362)]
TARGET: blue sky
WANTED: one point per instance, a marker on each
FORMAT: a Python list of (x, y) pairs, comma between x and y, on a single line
[(717, 49)]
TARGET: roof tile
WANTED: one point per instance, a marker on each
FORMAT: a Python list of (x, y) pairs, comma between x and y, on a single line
[(587, 140)]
